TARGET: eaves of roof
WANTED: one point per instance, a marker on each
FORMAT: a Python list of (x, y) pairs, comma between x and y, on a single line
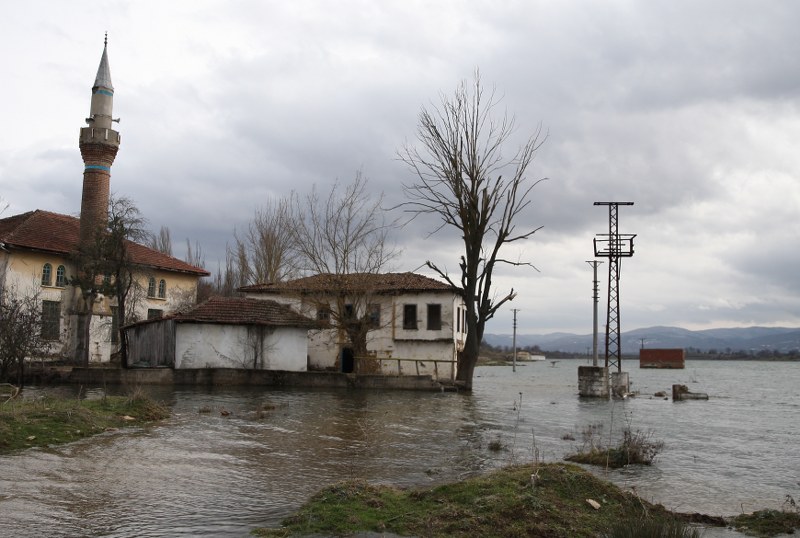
[(44, 231), (378, 283)]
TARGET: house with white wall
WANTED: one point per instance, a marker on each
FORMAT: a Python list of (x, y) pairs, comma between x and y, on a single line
[(223, 332), (416, 324), (37, 260), (39, 249)]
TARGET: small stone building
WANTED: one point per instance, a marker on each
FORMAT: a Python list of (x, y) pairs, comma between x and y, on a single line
[(223, 332)]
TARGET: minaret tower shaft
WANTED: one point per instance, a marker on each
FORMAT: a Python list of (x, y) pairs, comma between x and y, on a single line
[(99, 144)]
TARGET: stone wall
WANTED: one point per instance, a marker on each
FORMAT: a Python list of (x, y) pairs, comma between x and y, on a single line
[(240, 377)]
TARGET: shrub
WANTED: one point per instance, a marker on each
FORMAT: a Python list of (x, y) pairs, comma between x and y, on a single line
[(636, 447), (652, 528)]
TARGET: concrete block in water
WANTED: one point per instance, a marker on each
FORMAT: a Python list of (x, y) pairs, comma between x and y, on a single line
[(593, 381), (681, 392)]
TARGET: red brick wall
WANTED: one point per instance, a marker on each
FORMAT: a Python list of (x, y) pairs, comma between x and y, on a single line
[(96, 187)]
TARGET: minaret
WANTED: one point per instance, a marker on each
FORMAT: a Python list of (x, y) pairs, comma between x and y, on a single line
[(99, 144)]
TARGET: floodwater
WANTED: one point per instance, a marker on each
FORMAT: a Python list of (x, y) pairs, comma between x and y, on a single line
[(231, 460)]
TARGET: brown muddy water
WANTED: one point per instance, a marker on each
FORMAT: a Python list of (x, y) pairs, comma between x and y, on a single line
[(231, 460)]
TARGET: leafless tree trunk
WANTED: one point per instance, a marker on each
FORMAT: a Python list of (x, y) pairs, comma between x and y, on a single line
[(460, 179)]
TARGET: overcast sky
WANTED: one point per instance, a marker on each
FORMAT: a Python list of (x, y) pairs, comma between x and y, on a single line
[(690, 109)]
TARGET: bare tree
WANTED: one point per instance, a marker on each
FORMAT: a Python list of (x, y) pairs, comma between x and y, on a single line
[(344, 233), (20, 334), (162, 241), (105, 268), (459, 167), (340, 237), (125, 225), (264, 252), (196, 257), (267, 245)]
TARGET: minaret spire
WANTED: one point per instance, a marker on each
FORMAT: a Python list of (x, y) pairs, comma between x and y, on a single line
[(99, 144)]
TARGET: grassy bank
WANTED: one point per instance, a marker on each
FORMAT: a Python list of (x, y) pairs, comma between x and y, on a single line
[(767, 523), (509, 502), (46, 420)]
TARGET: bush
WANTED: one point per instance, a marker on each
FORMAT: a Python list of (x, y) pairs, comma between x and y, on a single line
[(636, 447), (652, 528)]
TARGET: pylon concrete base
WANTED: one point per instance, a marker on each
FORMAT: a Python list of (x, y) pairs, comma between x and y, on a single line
[(593, 381), (620, 384)]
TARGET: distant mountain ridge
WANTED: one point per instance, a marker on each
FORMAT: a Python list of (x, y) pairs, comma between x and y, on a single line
[(749, 339)]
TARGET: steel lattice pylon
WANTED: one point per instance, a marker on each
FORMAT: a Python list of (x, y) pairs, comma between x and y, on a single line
[(613, 246)]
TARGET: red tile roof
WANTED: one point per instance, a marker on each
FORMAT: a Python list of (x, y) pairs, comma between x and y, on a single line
[(52, 232), (354, 282), (241, 311)]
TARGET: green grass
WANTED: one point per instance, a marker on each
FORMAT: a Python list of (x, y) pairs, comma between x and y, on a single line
[(44, 421), (503, 503), (635, 447), (768, 522)]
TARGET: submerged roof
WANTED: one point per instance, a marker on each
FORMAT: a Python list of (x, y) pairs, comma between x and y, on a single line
[(354, 282), (241, 311), (54, 233)]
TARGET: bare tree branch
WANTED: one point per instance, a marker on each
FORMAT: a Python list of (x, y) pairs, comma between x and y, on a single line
[(459, 167)]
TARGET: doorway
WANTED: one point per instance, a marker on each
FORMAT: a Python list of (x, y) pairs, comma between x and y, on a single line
[(348, 360)]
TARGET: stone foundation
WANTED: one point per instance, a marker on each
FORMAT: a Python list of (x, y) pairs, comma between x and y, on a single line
[(593, 381)]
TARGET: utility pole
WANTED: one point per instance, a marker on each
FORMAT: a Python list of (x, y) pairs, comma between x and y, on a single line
[(514, 341), (595, 297), (613, 246)]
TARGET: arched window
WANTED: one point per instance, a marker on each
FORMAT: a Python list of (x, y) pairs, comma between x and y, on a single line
[(151, 287), (47, 274), (162, 289), (61, 276)]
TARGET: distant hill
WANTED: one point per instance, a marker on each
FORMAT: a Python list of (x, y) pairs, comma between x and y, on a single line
[(749, 339)]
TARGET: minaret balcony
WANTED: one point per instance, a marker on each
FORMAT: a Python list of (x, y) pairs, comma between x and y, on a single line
[(97, 135)]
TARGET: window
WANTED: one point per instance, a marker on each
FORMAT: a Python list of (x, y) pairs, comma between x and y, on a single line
[(458, 319), (151, 287), (154, 313), (61, 276), (115, 325), (434, 317), (162, 289), (47, 274), (324, 315), (410, 317), (51, 320), (349, 312), (374, 311)]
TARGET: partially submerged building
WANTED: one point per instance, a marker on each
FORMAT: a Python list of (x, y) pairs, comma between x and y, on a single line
[(223, 332), (412, 324)]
